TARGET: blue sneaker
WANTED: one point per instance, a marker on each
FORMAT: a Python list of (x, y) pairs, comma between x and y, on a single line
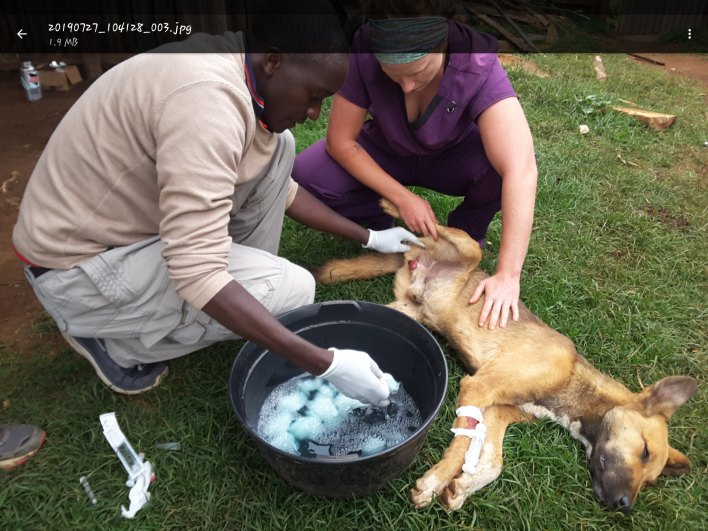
[(130, 381)]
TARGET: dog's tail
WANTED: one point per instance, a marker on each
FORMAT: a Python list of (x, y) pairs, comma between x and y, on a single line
[(365, 266)]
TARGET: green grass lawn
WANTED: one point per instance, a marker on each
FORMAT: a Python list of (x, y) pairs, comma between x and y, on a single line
[(617, 261)]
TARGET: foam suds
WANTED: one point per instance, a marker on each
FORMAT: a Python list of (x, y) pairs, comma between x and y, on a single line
[(308, 416)]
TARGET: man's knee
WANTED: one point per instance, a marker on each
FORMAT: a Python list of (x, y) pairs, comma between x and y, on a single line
[(303, 289)]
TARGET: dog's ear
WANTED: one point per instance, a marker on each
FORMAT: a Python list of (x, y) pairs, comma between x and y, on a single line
[(676, 464), (667, 395)]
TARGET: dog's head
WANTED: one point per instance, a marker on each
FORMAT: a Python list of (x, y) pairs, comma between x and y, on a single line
[(631, 443)]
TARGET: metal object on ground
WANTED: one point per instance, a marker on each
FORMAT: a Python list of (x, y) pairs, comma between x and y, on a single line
[(87, 488), (168, 446), (58, 66)]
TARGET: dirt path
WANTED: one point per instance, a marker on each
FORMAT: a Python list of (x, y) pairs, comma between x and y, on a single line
[(676, 64), (24, 131), (682, 65)]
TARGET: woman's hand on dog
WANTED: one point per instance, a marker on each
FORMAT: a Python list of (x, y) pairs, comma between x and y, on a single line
[(417, 214), (501, 293)]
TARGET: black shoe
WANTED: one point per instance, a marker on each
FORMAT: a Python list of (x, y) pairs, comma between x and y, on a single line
[(127, 381)]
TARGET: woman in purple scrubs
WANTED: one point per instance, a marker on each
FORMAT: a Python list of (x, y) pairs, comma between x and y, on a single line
[(446, 118)]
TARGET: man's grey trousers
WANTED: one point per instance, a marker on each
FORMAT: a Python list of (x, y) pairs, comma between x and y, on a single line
[(125, 296)]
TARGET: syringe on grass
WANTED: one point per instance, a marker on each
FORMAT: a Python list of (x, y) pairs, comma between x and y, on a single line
[(132, 462)]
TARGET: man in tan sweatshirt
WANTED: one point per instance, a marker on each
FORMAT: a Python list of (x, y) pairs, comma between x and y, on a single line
[(151, 223)]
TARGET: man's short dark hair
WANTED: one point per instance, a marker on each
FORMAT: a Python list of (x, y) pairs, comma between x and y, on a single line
[(297, 26)]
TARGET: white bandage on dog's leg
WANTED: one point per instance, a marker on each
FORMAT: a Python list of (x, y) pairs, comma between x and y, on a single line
[(470, 411), (476, 436)]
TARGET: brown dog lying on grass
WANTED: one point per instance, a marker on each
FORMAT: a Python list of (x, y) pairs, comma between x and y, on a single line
[(522, 372)]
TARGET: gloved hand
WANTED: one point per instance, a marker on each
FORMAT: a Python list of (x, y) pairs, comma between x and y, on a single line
[(357, 376), (392, 240)]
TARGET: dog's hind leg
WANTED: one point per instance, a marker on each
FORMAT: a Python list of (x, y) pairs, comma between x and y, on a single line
[(496, 418), (364, 266)]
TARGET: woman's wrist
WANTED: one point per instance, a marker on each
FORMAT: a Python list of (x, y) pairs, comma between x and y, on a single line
[(510, 273), (398, 195)]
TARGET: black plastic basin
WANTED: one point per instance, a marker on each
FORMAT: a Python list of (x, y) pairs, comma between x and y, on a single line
[(396, 342)]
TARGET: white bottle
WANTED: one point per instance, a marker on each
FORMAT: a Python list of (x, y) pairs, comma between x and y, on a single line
[(30, 81)]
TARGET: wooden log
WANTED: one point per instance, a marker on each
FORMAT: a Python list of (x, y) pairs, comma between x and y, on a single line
[(655, 120), (504, 46), (553, 35), (501, 29), (483, 8), (534, 12), (599, 69), (521, 17), (513, 25), (647, 59)]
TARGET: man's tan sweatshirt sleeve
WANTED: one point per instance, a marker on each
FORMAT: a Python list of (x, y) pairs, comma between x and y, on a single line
[(202, 132)]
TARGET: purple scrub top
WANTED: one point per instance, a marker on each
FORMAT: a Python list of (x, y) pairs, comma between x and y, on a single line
[(471, 83)]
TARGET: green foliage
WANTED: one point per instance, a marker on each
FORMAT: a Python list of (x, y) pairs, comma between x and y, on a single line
[(591, 104), (617, 262)]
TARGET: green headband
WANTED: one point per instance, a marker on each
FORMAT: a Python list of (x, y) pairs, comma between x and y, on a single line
[(404, 40)]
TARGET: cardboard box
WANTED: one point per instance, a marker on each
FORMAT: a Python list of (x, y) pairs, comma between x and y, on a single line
[(59, 80)]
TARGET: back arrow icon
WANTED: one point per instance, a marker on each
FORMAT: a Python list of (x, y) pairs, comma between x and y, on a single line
[(20, 34)]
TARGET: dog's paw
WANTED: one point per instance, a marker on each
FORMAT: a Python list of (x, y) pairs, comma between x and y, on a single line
[(425, 488), (457, 491), (389, 208), (464, 485)]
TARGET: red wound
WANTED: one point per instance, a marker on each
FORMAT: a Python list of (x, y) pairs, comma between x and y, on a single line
[(471, 423), (413, 264)]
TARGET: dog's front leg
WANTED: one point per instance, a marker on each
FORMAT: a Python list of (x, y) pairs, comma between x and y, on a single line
[(496, 419), (435, 479)]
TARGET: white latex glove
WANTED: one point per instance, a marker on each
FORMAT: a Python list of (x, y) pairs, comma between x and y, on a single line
[(357, 376), (139, 495), (392, 240)]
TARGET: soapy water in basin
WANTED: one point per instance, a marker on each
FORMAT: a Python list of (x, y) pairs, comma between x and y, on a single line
[(307, 416)]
